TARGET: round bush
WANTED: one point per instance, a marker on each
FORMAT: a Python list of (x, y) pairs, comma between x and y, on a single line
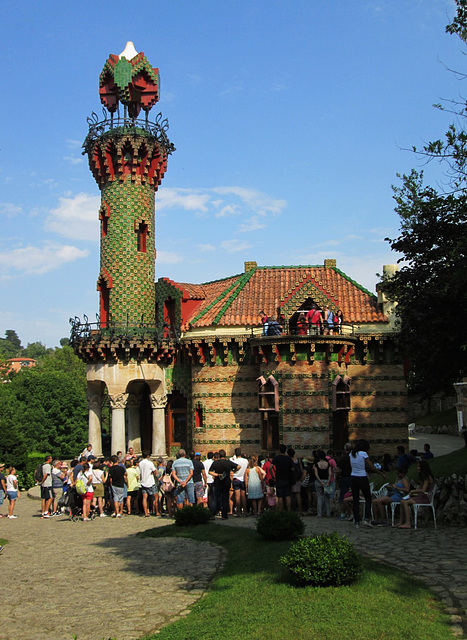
[(327, 560), (280, 525), (197, 514)]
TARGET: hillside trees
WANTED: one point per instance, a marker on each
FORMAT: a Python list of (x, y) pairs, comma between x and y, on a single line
[(44, 408), (431, 286)]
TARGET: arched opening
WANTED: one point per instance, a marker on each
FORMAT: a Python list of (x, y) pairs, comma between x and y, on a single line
[(138, 417)]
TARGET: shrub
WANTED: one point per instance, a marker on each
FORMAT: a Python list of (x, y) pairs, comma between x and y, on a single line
[(197, 514), (280, 525), (327, 560)]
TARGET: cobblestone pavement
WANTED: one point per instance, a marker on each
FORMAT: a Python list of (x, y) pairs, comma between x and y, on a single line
[(95, 579), (436, 557), (54, 572)]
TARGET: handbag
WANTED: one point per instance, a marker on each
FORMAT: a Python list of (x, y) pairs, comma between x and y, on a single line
[(306, 480)]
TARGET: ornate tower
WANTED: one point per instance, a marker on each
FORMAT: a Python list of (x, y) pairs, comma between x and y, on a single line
[(125, 351), (128, 159)]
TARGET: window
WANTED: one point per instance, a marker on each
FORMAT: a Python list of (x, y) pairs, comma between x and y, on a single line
[(268, 394), (141, 237), (199, 417), (341, 394), (104, 302)]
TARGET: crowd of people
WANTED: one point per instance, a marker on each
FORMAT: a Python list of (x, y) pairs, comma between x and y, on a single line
[(239, 486), (315, 321)]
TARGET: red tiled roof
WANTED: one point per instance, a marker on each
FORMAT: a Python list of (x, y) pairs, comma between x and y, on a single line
[(237, 301)]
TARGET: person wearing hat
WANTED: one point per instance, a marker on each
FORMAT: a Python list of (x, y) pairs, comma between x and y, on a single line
[(2, 485), (199, 478)]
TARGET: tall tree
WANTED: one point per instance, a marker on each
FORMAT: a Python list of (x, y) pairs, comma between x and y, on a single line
[(44, 408), (431, 286)]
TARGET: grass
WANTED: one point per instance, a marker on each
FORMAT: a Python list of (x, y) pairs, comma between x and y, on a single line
[(252, 598), (438, 419), (442, 467)]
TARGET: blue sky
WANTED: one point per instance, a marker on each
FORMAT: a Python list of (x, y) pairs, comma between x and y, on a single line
[(289, 118)]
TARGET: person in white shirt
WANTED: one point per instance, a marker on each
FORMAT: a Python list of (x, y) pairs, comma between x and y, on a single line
[(210, 480), (238, 482), (147, 472)]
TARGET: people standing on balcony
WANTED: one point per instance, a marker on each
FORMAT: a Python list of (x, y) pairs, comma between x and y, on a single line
[(328, 321), (338, 321), (264, 322), (274, 328), (315, 321), (302, 325)]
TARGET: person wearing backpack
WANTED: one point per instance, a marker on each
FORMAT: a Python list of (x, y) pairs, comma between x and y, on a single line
[(46, 486)]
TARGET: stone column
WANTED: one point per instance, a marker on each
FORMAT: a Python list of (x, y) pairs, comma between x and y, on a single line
[(158, 403), (95, 420), (118, 404), (134, 425)]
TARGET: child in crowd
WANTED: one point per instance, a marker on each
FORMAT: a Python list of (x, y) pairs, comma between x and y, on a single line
[(271, 495)]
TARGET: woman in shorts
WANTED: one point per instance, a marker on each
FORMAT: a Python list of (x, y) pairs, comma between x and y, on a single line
[(11, 491), (86, 475), (99, 476)]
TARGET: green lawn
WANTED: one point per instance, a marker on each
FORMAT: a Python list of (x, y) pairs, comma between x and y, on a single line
[(442, 467), (438, 419), (253, 598)]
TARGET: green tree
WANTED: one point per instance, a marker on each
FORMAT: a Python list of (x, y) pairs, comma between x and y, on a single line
[(431, 286), (45, 407), (10, 345), (36, 350)]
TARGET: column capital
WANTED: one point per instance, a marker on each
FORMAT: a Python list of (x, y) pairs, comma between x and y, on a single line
[(118, 401), (158, 401)]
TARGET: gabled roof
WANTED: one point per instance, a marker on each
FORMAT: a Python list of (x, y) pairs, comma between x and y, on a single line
[(237, 300)]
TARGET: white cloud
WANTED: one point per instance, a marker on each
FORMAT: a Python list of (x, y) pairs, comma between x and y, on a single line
[(9, 209), (167, 257), (228, 210), (73, 144), (259, 202), (76, 217), (206, 248), (190, 200), (253, 224), (73, 159), (234, 246), (37, 260), (236, 201)]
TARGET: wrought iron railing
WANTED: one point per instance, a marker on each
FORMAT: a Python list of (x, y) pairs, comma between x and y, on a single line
[(86, 332), (116, 125)]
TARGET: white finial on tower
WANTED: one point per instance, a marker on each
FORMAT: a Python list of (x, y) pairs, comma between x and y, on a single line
[(129, 51)]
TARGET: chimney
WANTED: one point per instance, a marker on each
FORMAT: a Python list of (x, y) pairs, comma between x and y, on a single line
[(250, 265)]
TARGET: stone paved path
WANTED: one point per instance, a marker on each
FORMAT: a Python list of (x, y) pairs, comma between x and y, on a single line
[(49, 590), (56, 576)]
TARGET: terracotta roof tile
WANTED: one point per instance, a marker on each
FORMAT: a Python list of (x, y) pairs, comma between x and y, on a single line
[(237, 301)]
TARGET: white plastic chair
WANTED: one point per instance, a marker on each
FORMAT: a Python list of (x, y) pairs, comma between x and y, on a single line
[(394, 505), (431, 504), (380, 493), (362, 500)]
